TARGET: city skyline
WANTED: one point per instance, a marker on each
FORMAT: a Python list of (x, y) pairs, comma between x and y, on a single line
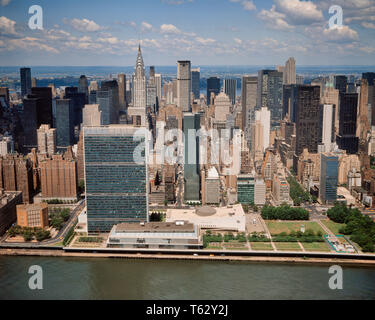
[(255, 32)]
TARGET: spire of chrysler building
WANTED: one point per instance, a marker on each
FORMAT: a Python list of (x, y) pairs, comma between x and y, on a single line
[(139, 82)]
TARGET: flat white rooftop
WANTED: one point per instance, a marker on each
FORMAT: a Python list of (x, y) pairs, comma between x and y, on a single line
[(224, 218)]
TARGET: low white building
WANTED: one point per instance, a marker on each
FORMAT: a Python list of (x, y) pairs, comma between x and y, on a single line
[(230, 218), (155, 235)]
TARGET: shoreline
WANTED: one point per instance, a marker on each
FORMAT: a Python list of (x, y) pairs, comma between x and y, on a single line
[(262, 259)]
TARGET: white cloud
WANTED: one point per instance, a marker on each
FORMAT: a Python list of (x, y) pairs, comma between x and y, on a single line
[(83, 25), (7, 26), (205, 41), (169, 29), (30, 44), (5, 2), (368, 25), (248, 5), (110, 40), (274, 20), (341, 34), (299, 12), (146, 27)]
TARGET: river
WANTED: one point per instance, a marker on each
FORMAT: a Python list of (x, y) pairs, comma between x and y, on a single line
[(87, 278)]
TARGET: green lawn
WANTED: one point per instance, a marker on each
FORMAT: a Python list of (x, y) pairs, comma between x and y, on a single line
[(276, 227), (287, 246), (261, 246), (333, 226), (316, 246)]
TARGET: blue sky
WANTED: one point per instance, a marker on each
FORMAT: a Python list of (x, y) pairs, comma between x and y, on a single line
[(207, 32)]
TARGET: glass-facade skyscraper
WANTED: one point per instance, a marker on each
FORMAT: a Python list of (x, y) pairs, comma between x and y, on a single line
[(348, 111), (191, 125), (64, 122), (25, 74), (116, 178), (230, 89), (196, 82), (245, 189), (270, 94), (329, 167), (213, 85)]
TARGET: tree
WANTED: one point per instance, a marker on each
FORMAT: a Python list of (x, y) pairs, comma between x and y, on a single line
[(27, 235), (42, 235)]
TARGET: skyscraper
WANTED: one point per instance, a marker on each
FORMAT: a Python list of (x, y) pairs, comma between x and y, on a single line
[(264, 117), (25, 74), (270, 94), (64, 122), (83, 87), (328, 127), (363, 125), (116, 181), (230, 89), (112, 86), (290, 71), (245, 188), (30, 120), (158, 83), (196, 82), (308, 124), (331, 96), (104, 100), (249, 101), (122, 91), (289, 101), (341, 83), (191, 124), (58, 176), (47, 140), (44, 106), (370, 77), (329, 166), (184, 85), (213, 86), (151, 90), (91, 115), (346, 139), (139, 83), (78, 101)]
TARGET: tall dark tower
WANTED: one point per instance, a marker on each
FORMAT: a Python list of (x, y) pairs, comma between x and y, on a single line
[(83, 86), (78, 102), (346, 139), (114, 110), (44, 110), (270, 94), (30, 121), (213, 85), (25, 74), (308, 124), (341, 83)]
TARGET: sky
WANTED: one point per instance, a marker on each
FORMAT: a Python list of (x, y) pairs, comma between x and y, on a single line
[(207, 32)]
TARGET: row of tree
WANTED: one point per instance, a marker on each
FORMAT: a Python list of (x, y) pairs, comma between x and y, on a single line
[(359, 227), (284, 212), (29, 234)]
